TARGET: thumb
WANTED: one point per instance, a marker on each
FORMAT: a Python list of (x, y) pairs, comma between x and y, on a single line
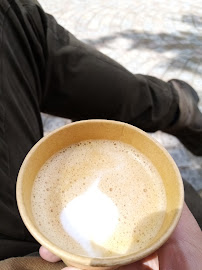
[(47, 255)]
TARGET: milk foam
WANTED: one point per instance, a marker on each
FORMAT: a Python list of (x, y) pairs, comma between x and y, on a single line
[(99, 198), (90, 225)]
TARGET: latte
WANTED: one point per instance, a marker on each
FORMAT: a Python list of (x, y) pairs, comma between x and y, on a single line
[(99, 198)]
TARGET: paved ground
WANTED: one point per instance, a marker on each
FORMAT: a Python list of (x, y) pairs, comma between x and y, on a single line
[(156, 37)]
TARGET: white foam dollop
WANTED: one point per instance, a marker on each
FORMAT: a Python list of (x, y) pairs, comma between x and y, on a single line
[(90, 218)]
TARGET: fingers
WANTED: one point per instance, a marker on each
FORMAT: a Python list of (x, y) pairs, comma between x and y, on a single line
[(47, 255)]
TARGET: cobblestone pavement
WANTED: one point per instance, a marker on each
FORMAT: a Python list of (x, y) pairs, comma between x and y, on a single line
[(156, 37)]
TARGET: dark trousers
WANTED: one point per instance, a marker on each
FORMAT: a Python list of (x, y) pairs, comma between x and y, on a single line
[(45, 68)]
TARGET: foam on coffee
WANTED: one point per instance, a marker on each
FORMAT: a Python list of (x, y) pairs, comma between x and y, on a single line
[(99, 198)]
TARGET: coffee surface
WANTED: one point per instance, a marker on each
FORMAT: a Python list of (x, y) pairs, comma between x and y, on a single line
[(99, 198)]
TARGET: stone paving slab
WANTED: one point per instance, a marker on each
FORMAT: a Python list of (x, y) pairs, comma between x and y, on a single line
[(158, 38)]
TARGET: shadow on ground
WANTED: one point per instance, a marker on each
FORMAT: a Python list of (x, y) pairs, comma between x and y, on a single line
[(184, 47)]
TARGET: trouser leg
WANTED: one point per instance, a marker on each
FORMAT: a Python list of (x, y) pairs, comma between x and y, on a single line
[(82, 83)]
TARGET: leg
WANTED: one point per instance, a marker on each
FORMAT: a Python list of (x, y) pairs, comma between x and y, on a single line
[(82, 83)]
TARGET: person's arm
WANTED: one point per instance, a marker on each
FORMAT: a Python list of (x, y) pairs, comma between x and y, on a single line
[(182, 251)]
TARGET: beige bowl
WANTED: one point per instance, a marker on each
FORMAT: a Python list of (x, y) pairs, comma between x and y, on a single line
[(110, 130)]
